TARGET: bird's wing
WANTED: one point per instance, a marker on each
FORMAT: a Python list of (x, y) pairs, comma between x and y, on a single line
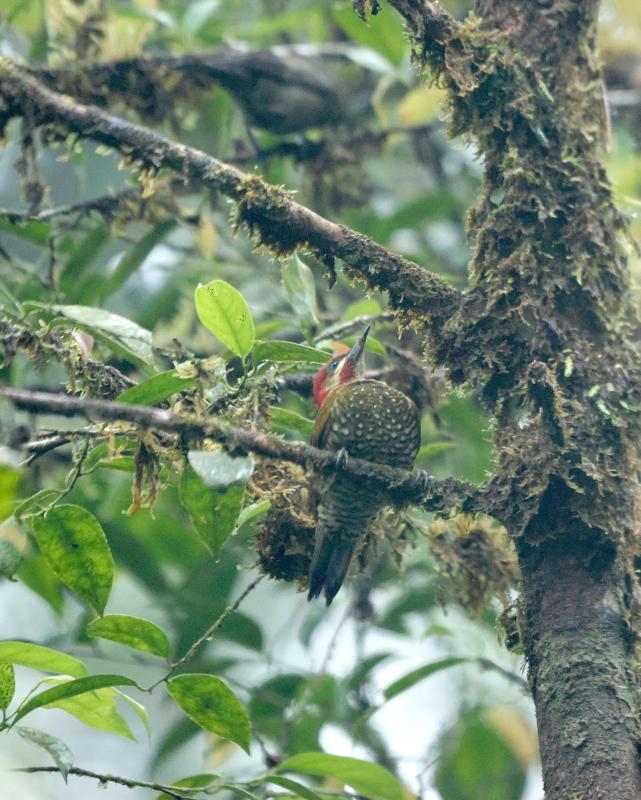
[(318, 440), (322, 418)]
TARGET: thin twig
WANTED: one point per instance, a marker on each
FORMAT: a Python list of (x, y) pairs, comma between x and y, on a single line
[(175, 792), (485, 663), (341, 329), (104, 204), (208, 633)]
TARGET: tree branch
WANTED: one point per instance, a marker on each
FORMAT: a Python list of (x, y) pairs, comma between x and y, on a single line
[(274, 219), (441, 39), (434, 495), (85, 374), (176, 792)]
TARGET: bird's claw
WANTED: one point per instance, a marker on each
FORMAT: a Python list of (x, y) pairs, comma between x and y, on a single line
[(423, 480), (342, 458)]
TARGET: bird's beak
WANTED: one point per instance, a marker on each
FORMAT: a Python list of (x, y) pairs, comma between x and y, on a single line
[(356, 353)]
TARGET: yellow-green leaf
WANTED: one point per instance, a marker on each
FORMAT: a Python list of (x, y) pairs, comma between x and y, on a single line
[(72, 688), (43, 658), (286, 419), (416, 675), (369, 780), (7, 685), (155, 389), (74, 544), (134, 632), (213, 510), (288, 352), (223, 311), (212, 705)]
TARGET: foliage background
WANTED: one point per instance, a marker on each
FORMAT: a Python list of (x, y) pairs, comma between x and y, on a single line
[(465, 732)]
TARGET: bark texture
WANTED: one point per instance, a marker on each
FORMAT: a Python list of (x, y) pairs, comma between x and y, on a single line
[(578, 646), (547, 331)]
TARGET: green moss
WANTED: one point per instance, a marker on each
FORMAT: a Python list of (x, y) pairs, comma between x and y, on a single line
[(262, 209), (545, 330)]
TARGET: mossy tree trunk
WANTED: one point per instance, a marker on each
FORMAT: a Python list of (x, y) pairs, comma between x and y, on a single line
[(548, 333)]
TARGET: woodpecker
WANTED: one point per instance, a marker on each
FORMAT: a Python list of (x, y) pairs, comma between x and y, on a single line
[(362, 418)]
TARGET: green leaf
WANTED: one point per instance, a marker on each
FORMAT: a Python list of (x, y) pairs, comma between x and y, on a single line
[(213, 706), (252, 511), (369, 780), (412, 678), (155, 389), (223, 311), (7, 685), (289, 352), (61, 754), (298, 280), (432, 449), (367, 307), (120, 334), (72, 688), (13, 544), (372, 345), (432, 205), (213, 511), (42, 658), (97, 709), (472, 749), (239, 790), (192, 782), (34, 232), (295, 787), (139, 710), (362, 671), (132, 260), (382, 32), (37, 503), (73, 278), (218, 468), (271, 326), (74, 544), (119, 463), (117, 446), (9, 479), (134, 632), (243, 630), (285, 419), (437, 630)]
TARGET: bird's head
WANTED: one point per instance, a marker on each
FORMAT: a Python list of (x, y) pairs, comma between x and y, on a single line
[(341, 369)]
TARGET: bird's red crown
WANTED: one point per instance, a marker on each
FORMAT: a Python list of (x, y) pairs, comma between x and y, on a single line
[(340, 370)]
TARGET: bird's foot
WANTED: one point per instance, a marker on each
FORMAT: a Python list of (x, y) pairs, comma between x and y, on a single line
[(342, 458), (423, 480)]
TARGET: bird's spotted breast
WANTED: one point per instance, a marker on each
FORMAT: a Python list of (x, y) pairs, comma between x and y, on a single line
[(374, 421)]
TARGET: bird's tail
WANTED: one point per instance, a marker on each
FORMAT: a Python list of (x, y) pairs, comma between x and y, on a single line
[(330, 562), (344, 515)]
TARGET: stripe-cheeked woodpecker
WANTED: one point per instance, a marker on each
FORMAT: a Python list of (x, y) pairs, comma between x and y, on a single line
[(362, 418)]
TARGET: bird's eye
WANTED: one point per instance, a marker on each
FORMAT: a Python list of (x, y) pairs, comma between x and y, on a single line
[(332, 365)]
